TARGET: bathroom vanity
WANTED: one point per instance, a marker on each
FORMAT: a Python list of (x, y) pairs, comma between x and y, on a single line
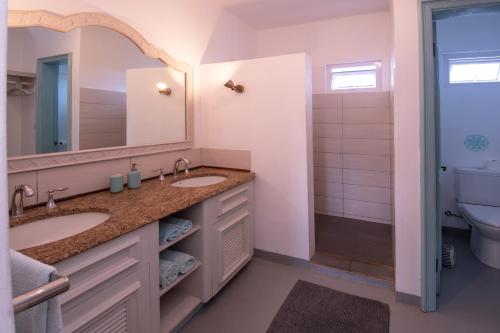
[(108, 244), (114, 267)]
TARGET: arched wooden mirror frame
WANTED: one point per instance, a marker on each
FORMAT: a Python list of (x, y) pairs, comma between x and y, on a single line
[(46, 19)]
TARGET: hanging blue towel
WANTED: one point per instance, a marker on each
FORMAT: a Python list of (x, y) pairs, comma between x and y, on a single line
[(169, 232), (28, 274), (185, 224), (185, 261), (168, 272)]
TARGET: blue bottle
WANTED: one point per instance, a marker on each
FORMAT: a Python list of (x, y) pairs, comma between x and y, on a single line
[(134, 177)]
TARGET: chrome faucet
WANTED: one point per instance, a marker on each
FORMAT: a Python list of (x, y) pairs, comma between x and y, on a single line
[(50, 201), (21, 191), (177, 164)]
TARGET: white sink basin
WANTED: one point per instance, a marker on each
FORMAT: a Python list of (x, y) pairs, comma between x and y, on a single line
[(51, 229), (199, 181)]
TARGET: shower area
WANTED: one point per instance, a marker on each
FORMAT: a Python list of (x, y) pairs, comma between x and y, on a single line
[(353, 164)]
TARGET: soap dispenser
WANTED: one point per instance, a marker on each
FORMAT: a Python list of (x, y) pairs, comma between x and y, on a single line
[(134, 177)]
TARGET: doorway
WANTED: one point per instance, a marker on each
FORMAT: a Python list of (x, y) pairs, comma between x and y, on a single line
[(53, 104), (451, 129), (352, 137)]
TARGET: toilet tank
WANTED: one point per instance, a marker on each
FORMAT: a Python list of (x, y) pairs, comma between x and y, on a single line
[(478, 186)]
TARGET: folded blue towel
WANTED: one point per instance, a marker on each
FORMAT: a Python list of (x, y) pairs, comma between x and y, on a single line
[(168, 272), (185, 224), (185, 261), (169, 232)]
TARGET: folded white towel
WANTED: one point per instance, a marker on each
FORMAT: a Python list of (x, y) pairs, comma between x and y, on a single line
[(28, 274)]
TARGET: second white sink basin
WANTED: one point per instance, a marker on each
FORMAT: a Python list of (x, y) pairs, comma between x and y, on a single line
[(52, 229), (199, 181)]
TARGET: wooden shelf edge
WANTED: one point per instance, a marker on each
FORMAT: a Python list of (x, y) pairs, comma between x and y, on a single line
[(180, 279), (178, 309), (194, 229)]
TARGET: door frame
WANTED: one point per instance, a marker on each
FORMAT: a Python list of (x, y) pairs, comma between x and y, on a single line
[(39, 62), (429, 251)]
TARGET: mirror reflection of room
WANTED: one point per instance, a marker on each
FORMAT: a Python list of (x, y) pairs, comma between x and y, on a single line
[(85, 89)]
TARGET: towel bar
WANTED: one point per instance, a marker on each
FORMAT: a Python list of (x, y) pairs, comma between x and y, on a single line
[(56, 286)]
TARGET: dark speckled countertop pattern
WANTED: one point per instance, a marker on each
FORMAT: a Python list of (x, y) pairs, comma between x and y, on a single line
[(128, 210)]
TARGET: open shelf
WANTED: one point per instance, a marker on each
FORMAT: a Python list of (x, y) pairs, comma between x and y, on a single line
[(194, 229), (175, 308), (179, 279), (20, 74)]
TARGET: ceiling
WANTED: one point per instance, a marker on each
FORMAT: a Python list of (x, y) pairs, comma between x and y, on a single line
[(266, 14)]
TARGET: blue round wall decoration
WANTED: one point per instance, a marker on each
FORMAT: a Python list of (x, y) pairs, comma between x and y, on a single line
[(476, 142)]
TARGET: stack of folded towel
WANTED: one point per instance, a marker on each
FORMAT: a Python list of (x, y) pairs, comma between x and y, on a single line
[(183, 260), (168, 272), (172, 227)]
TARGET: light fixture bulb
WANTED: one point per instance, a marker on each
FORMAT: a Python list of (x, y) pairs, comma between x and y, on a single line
[(163, 88), (161, 85)]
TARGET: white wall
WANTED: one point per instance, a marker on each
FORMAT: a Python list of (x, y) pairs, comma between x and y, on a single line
[(407, 143), (29, 45), (151, 116), (104, 67), (191, 31), (20, 50), (6, 315), (185, 29), (466, 108), (341, 40), (277, 131)]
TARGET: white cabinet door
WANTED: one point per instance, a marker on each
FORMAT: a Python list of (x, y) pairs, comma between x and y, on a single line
[(234, 248), (115, 307)]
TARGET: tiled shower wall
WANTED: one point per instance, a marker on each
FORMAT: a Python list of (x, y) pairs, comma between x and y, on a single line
[(353, 155), (103, 118)]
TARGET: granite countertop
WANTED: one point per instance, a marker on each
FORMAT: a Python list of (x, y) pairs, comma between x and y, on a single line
[(128, 210)]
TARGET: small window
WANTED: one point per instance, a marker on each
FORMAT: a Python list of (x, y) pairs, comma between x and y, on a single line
[(475, 70), (355, 76)]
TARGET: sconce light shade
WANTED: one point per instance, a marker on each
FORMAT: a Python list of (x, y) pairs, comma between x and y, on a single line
[(163, 89), (238, 88)]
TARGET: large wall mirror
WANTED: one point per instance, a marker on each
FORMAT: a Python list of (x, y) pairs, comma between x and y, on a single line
[(78, 86)]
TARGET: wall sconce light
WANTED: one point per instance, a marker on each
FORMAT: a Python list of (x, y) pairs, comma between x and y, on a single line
[(163, 89), (238, 88)]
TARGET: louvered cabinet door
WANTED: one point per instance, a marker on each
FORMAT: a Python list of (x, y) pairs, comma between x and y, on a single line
[(233, 246), (119, 306)]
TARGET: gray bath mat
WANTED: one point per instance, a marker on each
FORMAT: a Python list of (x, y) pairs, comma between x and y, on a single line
[(313, 308)]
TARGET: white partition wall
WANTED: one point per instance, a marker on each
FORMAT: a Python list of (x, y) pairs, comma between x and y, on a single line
[(6, 316), (151, 116), (272, 119)]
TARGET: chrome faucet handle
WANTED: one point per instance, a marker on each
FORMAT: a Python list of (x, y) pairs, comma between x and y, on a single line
[(162, 175), (27, 190), (176, 166), (50, 202), (24, 190), (187, 163)]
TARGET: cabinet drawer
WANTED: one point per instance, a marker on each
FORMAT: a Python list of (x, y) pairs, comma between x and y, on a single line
[(93, 268), (233, 199)]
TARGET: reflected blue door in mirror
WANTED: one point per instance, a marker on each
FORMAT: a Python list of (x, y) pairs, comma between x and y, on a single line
[(476, 142)]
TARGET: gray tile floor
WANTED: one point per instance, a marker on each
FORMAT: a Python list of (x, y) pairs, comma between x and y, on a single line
[(471, 290), (469, 302), (353, 245)]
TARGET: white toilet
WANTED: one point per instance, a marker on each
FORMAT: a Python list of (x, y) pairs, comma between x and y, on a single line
[(478, 198)]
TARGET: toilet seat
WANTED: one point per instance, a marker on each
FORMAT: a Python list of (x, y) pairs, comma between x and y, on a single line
[(489, 215)]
